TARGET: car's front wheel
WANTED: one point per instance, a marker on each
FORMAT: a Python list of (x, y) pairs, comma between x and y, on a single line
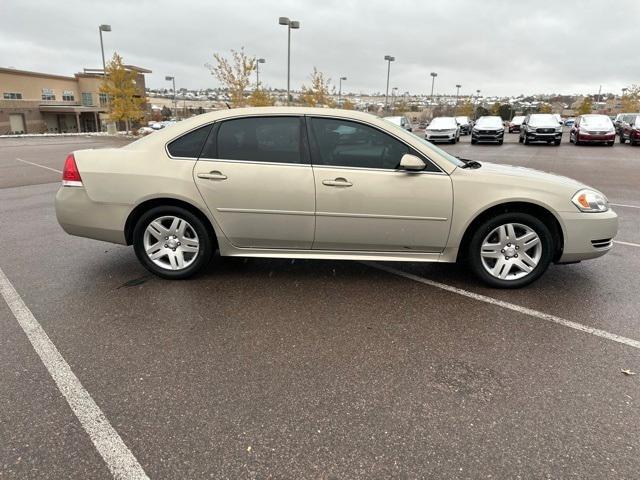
[(510, 250), (172, 242)]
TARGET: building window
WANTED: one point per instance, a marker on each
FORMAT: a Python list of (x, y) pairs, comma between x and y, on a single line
[(103, 99), (87, 99), (48, 94), (68, 96), (12, 96)]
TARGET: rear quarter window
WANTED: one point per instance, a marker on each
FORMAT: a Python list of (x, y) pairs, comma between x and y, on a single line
[(190, 144)]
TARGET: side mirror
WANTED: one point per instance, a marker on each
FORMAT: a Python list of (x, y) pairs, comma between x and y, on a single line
[(411, 163)]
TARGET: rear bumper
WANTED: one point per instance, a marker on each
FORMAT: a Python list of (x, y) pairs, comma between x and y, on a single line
[(78, 215), (588, 235)]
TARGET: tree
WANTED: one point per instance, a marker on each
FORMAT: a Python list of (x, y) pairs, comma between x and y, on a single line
[(586, 106), (465, 109), (481, 111), (261, 98), (165, 112), (318, 94), (348, 104), (545, 108), (495, 109), (631, 99), (125, 102), (505, 111), (234, 75)]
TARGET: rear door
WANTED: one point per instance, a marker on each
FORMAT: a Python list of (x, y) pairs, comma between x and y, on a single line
[(254, 175)]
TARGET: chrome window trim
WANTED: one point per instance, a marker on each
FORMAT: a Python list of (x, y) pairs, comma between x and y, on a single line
[(380, 129), (253, 162), (382, 170)]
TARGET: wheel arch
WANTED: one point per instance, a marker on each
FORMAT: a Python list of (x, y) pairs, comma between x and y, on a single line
[(542, 213), (146, 205)]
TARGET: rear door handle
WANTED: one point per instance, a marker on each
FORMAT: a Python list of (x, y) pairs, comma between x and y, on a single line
[(215, 175), (338, 182)]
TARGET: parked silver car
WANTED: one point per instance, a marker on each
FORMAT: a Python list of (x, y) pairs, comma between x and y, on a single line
[(325, 184), (401, 121)]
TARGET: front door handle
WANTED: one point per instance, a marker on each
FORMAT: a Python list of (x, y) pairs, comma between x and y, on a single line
[(338, 182), (215, 175)]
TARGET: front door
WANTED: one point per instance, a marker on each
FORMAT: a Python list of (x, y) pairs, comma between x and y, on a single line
[(256, 180), (364, 202)]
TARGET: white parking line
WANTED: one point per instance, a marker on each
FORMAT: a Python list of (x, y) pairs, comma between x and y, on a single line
[(624, 205), (38, 165), (510, 306), (629, 244), (117, 456)]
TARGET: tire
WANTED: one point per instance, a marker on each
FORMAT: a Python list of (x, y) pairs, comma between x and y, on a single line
[(474, 141), (520, 140), (193, 235), (576, 140), (539, 254), (525, 140), (557, 142), (610, 144), (500, 142), (452, 141), (622, 139)]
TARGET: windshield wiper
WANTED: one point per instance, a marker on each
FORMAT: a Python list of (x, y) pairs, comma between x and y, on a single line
[(470, 163)]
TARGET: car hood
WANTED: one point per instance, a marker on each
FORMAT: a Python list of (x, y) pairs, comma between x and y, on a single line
[(510, 173)]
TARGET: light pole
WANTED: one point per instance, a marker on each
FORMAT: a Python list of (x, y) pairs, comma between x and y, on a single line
[(457, 95), (340, 89), (477, 102), (104, 28), (258, 62), (394, 94), (175, 102), (291, 24), (389, 59), (433, 81)]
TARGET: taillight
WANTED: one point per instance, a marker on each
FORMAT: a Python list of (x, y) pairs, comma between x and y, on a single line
[(70, 173)]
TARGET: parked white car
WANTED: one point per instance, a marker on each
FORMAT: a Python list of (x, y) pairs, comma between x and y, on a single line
[(443, 129)]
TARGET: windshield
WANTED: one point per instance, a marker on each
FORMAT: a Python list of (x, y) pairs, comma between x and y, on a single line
[(394, 120), (443, 122), (462, 120), (543, 119), (492, 122), (517, 120), (450, 158), (596, 121)]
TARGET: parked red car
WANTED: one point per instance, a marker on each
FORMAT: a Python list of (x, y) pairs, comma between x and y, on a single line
[(593, 128), (630, 131), (515, 124)]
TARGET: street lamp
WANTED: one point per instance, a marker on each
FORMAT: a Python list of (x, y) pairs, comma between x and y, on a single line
[(457, 95), (340, 89), (258, 62), (433, 81), (175, 102), (291, 24), (477, 101), (389, 59)]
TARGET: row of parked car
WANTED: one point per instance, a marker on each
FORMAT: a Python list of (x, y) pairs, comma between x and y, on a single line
[(537, 127)]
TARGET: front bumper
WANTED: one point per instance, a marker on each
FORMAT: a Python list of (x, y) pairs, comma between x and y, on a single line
[(587, 235), (439, 136), (611, 137), (543, 137), (487, 136), (78, 215)]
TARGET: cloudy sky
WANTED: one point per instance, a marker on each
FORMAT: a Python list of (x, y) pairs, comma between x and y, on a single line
[(501, 47)]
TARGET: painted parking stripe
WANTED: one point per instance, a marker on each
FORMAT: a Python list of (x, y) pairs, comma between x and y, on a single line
[(121, 462), (624, 205), (629, 244), (38, 165), (510, 306)]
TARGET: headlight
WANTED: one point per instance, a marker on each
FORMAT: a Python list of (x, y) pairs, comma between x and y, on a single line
[(558, 129), (590, 201)]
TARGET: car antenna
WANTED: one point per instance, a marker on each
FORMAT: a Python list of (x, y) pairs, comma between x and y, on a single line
[(227, 105)]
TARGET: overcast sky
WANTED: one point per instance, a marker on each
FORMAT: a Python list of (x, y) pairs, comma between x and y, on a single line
[(501, 47)]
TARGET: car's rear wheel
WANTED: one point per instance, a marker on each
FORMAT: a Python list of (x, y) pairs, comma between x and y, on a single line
[(622, 139), (172, 242), (510, 250)]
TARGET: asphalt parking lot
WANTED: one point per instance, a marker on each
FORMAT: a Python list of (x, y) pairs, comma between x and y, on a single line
[(317, 369)]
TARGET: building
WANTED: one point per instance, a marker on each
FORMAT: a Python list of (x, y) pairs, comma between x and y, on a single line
[(32, 102)]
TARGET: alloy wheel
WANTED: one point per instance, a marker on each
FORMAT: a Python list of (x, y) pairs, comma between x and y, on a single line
[(511, 251), (171, 242)]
